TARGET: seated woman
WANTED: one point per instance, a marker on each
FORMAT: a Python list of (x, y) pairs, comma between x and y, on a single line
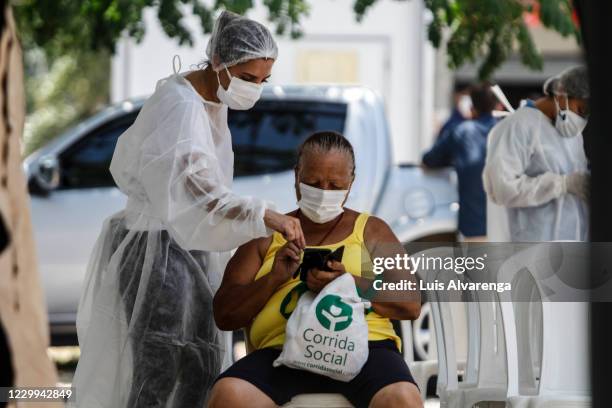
[(259, 277)]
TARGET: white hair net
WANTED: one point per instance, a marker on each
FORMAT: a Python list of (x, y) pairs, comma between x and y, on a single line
[(236, 39), (549, 86), (573, 82)]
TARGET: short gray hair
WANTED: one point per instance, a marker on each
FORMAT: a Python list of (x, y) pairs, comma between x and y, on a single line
[(325, 142)]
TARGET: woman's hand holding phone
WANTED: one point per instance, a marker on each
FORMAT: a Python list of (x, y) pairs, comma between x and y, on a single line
[(286, 262), (317, 279)]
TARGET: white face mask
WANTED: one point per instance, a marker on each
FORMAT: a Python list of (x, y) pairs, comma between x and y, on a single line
[(240, 94), (319, 205), (464, 106), (568, 122)]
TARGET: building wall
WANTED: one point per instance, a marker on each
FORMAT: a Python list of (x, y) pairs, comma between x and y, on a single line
[(387, 52)]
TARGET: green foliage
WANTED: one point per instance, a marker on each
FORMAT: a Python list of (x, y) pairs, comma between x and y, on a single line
[(471, 30), (67, 46), (62, 93), (68, 43), (489, 31), (94, 25), (286, 14)]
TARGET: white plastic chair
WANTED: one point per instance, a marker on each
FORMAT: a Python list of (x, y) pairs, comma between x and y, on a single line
[(423, 370), (562, 378), (318, 401), (484, 378), (485, 373)]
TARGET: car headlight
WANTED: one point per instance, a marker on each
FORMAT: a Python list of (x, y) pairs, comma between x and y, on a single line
[(418, 203)]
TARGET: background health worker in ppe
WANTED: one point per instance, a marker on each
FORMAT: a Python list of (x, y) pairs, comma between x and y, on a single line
[(145, 320), (536, 167)]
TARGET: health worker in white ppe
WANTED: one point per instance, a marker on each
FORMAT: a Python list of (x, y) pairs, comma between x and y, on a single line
[(536, 167), (145, 320)]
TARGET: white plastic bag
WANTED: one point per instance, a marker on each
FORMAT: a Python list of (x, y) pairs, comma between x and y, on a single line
[(327, 333)]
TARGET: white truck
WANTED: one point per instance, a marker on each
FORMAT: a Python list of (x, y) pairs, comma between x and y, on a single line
[(73, 191)]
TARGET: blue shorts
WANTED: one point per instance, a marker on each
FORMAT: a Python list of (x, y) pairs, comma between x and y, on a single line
[(385, 366)]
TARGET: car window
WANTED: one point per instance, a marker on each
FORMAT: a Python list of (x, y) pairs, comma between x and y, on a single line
[(265, 138), (86, 163)]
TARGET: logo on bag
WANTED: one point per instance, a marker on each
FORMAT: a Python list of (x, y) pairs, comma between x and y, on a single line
[(333, 313)]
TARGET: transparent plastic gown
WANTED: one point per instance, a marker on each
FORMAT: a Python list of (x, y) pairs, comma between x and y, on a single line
[(145, 320)]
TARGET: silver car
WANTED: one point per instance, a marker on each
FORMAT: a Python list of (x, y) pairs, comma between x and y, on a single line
[(73, 191)]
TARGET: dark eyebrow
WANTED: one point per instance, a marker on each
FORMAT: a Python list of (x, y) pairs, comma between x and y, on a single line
[(254, 76)]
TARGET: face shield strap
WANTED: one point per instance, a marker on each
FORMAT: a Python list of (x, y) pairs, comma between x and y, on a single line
[(176, 60)]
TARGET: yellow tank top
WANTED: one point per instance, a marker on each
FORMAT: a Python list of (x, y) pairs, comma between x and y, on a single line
[(268, 327)]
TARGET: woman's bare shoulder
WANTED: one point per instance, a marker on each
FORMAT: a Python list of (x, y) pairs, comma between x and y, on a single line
[(377, 229), (258, 245), (350, 212)]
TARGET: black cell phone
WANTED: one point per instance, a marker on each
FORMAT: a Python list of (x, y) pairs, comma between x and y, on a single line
[(335, 256), (317, 258), (312, 258)]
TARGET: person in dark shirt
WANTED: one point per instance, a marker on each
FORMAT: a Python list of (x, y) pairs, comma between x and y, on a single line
[(462, 110), (465, 148)]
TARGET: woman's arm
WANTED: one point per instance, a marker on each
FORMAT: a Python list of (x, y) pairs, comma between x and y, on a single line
[(184, 183), (380, 241), (440, 154), (240, 297), (510, 149)]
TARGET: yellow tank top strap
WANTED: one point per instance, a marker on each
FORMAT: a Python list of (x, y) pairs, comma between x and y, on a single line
[(360, 224), (358, 230), (277, 240)]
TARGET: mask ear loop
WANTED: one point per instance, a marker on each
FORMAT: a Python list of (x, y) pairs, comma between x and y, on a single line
[(566, 106), (218, 79), (176, 59), (559, 110), (229, 76), (559, 114)]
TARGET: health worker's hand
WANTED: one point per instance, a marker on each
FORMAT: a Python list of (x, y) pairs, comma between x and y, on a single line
[(289, 227), (578, 184)]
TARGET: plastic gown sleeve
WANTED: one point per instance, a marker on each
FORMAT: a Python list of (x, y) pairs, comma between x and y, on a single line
[(183, 181), (509, 152)]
